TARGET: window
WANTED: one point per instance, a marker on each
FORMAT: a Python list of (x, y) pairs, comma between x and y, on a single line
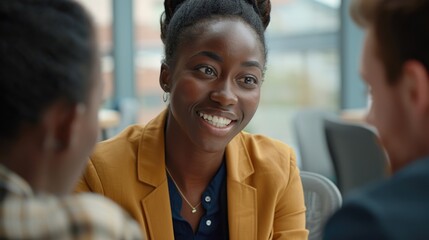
[(101, 11), (149, 52), (303, 64)]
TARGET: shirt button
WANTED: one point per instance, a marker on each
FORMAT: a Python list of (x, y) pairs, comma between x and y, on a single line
[(207, 198), (208, 223)]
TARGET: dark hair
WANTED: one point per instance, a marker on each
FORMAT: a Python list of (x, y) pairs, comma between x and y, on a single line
[(180, 16), (47, 53), (401, 31)]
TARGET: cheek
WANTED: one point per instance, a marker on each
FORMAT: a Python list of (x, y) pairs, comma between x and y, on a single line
[(385, 115), (94, 129), (91, 130), (250, 102), (378, 114), (187, 91)]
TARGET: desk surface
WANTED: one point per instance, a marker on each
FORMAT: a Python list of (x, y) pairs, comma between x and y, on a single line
[(108, 118), (355, 115)]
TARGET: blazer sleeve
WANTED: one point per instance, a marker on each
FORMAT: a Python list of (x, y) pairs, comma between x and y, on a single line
[(354, 221), (289, 219), (90, 180)]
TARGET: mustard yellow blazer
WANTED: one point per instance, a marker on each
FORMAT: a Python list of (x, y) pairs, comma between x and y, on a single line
[(265, 195)]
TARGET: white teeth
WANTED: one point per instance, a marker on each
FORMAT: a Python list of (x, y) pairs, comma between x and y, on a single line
[(216, 120)]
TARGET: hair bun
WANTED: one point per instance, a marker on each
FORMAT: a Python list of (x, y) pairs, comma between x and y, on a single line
[(263, 8), (169, 9)]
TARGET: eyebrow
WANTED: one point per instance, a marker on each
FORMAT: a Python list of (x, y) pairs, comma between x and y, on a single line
[(252, 64), (211, 55), (218, 58)]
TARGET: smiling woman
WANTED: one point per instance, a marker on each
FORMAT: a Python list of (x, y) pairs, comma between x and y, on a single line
[(218, 76), (192, 173)]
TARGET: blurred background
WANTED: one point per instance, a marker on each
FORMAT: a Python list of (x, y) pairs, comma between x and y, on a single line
[(314, 51)]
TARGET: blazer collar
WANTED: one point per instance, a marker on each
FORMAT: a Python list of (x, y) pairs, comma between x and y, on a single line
[(151, 171), (150, 154), (239, 164), (242, 198)]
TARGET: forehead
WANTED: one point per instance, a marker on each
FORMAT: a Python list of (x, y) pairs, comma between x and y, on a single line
[(229, 35), (370, 62)]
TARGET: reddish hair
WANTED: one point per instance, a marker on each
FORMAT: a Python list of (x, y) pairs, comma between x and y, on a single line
[(401, 30)]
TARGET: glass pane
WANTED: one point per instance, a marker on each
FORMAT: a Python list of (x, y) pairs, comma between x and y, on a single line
[(303, 16), (148, 57), (303, 65), (101, 11)]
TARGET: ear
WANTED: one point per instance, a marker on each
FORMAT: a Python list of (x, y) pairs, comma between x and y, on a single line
[(415, 78), (164, 77), (61, 120)]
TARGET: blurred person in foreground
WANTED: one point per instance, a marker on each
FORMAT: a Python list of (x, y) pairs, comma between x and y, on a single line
[(50, 94), (395, 66)]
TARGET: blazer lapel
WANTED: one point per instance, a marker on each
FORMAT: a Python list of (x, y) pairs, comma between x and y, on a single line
[(151, 171), (242, 202), (157, 211)]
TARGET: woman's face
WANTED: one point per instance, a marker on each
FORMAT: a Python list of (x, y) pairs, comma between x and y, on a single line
[(214, 84)]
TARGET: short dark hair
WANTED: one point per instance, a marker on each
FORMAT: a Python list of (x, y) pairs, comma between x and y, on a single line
[(401, 30), (180, 16), (47, 53)]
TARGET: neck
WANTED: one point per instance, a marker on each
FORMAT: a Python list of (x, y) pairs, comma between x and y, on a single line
[(397, 163), (187, 161), (191, 172)]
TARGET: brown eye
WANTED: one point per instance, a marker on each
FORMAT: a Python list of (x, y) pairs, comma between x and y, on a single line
[(207, 70), (249, 82)]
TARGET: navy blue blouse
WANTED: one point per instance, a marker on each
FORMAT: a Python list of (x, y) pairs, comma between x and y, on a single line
[(214, 223)]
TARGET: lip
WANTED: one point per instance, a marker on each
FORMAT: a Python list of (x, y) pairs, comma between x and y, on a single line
[(225, 114), (218, 131)]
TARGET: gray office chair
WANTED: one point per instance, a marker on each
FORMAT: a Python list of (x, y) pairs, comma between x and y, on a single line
[(311, 142), (322, 199), (357, 156)]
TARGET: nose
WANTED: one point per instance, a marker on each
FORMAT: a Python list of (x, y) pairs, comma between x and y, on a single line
[(224, 93)]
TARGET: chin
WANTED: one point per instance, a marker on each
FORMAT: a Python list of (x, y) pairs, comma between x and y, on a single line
[(212, 146)]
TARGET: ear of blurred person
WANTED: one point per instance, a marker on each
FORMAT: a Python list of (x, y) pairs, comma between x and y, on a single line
[(416, 96), (51, 92), (395, 66)]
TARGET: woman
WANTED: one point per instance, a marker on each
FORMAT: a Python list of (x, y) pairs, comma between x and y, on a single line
[(191, 173)]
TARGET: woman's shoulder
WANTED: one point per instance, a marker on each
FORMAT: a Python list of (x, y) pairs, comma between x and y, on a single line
[(116, 147), (129, 136), (267, 144), (133, 136), (273, 161), (268, 152)]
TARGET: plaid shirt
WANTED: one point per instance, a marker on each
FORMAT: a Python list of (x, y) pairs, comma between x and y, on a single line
[(24, 215)]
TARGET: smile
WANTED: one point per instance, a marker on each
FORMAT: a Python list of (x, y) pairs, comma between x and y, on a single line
[(216, 121)]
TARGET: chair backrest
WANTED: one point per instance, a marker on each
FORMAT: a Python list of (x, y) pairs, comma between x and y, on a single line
[(311, 142), (322, 199), (357, 156)]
